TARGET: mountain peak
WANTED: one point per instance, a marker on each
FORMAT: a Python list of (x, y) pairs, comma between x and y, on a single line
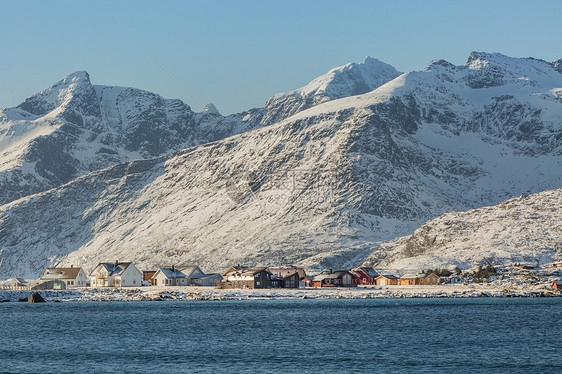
[(73, 88), (211, 109), (77, 76)]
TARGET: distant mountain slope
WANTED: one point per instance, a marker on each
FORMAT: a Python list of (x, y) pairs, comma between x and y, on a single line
[(525, 229), (320, 188), (73, 127)]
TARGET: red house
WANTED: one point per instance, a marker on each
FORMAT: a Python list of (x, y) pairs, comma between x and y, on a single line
[(557, 284), (329, 278), (365, 275)]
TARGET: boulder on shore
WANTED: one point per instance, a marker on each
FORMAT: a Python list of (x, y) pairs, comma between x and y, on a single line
[(35, 298)]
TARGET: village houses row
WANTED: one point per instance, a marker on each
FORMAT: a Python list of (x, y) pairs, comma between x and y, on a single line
[(126, 274)]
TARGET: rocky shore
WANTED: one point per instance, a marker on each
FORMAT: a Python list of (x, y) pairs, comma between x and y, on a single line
[(212, 294)]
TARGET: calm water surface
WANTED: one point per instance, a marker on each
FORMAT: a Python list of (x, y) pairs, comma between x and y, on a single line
[(299, 336)]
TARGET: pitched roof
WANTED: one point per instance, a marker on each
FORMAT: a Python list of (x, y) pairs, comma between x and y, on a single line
[(412, 276), (388, 276), (369, 271), (175, 272), (285, 272), (114, 268), (233, 268), (332, 275), (61, 273)]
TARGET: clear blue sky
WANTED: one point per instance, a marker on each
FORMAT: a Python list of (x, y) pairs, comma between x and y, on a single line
[(238, 53)]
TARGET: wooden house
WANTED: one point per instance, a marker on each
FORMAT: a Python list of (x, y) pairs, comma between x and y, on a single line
[(431, 279), (411, 279), (387, 280), (365, 275), (286, 277), (557, 284), (71, 277), (118, 274), (329, 278), (246, 278)]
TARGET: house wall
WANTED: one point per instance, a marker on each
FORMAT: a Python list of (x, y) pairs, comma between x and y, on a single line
[(262, 280), (291, 281), (383, 281), (107, 281), (131, 277), (235, 284), (431, 279), (162, 280)]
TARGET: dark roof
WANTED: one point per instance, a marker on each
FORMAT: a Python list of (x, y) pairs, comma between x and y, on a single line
[(388, 276), (114, 268), (332, 275), (369, 271), (177, 271)]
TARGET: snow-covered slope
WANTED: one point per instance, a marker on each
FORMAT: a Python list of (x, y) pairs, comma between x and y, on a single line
[(73, 127), (320, 188), (525, 229)]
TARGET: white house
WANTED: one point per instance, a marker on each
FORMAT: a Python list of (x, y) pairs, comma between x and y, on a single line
[(183, 276), (72, 277), (118, 274)]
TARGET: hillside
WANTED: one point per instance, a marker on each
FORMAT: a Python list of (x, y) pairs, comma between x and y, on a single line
[(525, 229), (320, 188)]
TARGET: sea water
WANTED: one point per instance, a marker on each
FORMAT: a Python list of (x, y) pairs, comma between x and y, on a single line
[(291, 336)]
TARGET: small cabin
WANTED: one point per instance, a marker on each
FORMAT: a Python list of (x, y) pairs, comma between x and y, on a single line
[(431, 279), (557, 284), (411, 279), (387, 280)]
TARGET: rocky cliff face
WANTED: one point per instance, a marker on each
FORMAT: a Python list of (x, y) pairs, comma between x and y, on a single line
[(322, 187)]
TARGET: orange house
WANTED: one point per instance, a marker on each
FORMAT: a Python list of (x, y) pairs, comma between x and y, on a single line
[(386, 280), (411, 279), (430, 279)]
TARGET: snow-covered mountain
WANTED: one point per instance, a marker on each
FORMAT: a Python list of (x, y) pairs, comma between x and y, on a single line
[(525, 229), (322, 187), (73, 127)]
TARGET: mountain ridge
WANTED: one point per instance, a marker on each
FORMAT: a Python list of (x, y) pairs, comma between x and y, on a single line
[(376, 166), (74, 127)]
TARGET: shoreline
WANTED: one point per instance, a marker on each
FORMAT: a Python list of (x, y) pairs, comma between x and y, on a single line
[(179, 293)]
